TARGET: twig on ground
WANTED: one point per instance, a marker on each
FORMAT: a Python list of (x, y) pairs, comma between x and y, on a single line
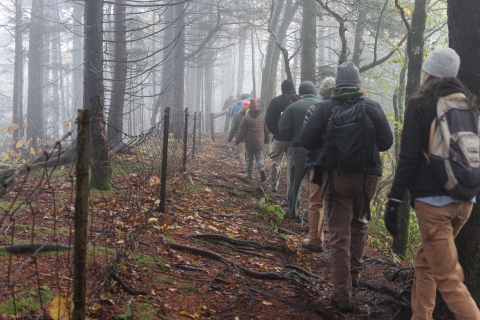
[(126, 288)]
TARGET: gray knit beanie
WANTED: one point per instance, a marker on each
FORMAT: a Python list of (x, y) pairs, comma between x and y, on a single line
[(347, 73), (306, 87), (327, 87), (442, 63)]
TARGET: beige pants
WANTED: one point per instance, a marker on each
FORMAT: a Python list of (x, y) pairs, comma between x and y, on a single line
[(278, 149), (348, 228), (241, 154), (436, 262), (316, 217)]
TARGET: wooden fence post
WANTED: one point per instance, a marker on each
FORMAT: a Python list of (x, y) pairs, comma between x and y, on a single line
[(212, 126), (81, 215), (194, 134), (163, 193), (185, 141)]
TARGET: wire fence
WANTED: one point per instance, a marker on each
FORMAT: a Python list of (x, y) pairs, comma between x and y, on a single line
[(40, 216)]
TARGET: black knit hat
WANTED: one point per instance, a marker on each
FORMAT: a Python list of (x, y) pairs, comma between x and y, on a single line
[(287, 86)]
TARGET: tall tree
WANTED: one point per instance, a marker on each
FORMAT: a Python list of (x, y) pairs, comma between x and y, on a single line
[(463, 18), (309, 37), (93, 93), (115, 112), (18, 73), (179, 69), (241, 64), (35, 73), (77, 56), (415, 44)]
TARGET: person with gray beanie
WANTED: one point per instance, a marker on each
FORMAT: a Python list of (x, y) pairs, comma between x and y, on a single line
[(351, 130), (440, 216), (290, 125), (280, 145)]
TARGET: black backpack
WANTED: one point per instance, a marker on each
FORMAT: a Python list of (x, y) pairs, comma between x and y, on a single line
[(289, 99), (350, 138)]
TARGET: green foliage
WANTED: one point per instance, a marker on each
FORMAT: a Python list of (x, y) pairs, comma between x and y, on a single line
[(27, 301), (163, 280), (185, 288), (272, 212)]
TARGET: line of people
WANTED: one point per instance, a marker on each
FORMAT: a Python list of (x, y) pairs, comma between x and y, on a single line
[(336, 143)]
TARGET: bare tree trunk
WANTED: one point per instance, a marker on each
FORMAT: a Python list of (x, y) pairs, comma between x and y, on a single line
[(179, 70), (77, 58), (198, 88), (18, 73), (93, 98), (464, 38), (358, 45), (208, 91), (115, 112), (35, 73), (166, 95), (253, 66), (309, 36), (56, 72), (241, 65), (415, 59)]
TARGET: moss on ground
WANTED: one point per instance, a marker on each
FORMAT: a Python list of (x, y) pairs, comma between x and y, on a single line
[(27, 301)]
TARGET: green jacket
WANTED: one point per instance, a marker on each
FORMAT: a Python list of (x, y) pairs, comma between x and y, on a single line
[(291, 121)]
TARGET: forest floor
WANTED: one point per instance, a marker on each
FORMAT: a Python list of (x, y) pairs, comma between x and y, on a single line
[(218, 253)]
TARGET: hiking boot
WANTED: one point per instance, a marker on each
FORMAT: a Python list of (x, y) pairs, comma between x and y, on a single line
[(242, 170), (306, 244), (263, 176), (343, 306), (297, 218), (273, 190), (355, 279)]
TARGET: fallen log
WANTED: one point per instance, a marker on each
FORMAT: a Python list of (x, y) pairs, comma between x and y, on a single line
[(34, 248)]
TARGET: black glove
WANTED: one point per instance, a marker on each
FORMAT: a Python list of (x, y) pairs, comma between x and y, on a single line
[(390, 217)]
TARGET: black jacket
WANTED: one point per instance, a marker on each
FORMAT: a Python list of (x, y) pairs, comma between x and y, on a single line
[(274, 111), (236, 123), (316, 126), (413, 172)]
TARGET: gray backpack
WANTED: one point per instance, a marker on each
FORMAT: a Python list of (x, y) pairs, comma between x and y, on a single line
[(454, 147)]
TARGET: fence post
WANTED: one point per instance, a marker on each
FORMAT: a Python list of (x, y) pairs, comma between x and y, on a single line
[(194, 134), (185, 141), (200, 123), (212, 126), (81, 215), (166, 124)]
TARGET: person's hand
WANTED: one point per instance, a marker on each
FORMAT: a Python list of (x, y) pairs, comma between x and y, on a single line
[(390, 216)]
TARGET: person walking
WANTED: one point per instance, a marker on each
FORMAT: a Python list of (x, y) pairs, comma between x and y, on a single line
[(280, 145), (316, 216), (289, 126), (440, 215), (255, 134), (233, 131), (237, 105), (351, 130)]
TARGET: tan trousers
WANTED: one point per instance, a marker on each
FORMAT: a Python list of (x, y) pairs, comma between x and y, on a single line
[(278, 149), (316, 217), (436, 262), (241, 154), (348, 228)]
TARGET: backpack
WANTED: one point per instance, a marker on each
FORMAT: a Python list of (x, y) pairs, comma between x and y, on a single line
[(454, 147), (350, 138), (289, 99)]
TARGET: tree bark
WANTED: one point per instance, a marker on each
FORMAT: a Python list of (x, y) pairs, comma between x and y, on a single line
[(18, 73), (77, 57), (415, 44), (463, 17), (241, 65), (309, 36), (93, 93), (56, 73), (254, 81), (358, 45), (115, 113), (179, 71), (35, 73)]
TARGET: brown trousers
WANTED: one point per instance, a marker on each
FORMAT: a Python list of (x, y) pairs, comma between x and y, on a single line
[(316, 216), (348, 227), (436, 262)]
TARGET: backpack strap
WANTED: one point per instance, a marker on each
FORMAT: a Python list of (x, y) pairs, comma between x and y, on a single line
[(430, 140)]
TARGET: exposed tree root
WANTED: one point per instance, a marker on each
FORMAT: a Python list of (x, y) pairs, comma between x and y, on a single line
[(126, 288), (249, 273), (35, 247), (237, 242), (300, 269), (387, 290)]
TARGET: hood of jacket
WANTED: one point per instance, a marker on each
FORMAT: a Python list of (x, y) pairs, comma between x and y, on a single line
[(254, 113)]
